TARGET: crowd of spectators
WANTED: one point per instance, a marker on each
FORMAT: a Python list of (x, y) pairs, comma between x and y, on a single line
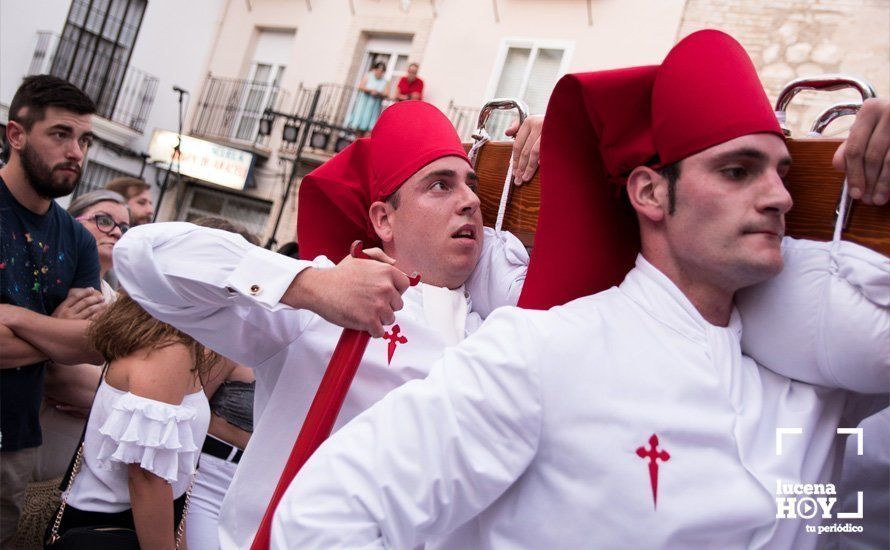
[(62, 318)]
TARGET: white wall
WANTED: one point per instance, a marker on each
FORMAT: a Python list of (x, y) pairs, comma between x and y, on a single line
[(174, 44), (19, 22)]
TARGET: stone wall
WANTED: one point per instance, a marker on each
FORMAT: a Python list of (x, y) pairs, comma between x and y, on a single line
[(788, 39)]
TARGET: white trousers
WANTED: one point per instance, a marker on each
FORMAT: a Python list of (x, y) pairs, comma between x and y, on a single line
[(211, 484)]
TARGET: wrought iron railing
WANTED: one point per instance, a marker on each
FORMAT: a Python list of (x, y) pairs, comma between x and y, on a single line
[(334, 111), (231, 109), (466, 118), (122, 93), (463, 118)]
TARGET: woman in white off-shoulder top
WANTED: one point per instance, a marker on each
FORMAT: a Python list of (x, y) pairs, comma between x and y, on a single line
[(145, 430)]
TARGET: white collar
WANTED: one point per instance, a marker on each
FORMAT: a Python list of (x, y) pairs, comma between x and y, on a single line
[(662, 299)]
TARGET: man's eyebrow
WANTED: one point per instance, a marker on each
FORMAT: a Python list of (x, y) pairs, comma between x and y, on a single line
[(444, 173), (69, 128), (747, 153), (61, 126)]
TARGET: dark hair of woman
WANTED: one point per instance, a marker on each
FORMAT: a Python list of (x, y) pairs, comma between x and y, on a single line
[(125, 328)]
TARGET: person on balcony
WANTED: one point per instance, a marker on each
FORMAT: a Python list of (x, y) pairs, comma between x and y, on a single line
[(410, 86), (369, 102)]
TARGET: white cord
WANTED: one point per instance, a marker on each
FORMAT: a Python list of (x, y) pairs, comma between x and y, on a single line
[(841, 213), (505, 197), (474, 150)]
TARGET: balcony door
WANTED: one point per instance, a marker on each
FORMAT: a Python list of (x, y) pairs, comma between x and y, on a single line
[(260, 90), (393, 52)]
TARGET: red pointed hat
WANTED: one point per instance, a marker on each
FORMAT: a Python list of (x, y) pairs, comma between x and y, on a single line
[(334, 198), (600, 126)]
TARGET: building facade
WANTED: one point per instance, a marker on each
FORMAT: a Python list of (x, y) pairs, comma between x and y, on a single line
[(125, 54), (273, 82)]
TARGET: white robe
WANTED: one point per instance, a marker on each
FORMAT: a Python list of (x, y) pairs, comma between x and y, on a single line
[(200, 280), (527, 436)]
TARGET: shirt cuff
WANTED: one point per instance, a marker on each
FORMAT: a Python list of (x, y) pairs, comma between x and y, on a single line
[(263, 276)]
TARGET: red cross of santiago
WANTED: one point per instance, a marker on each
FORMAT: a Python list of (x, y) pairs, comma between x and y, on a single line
[(653, 454), (394, 339)]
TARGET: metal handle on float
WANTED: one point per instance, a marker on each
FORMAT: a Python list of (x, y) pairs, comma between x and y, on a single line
[(825, 82), (499, 104), (831, 114), (826, 117)]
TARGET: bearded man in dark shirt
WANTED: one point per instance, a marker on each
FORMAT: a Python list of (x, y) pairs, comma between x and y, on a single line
[(49, 269)]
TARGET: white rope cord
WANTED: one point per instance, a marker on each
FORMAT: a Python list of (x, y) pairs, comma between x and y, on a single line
[(841, 213), (505, 193), (505, 197), (474, 150)]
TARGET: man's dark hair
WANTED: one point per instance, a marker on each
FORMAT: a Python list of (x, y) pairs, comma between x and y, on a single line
[(393, 199), (379, 65), (127, 186), (40, 91), (671, 172)]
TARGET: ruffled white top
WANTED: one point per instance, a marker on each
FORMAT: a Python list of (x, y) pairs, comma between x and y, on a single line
[(123, 429)]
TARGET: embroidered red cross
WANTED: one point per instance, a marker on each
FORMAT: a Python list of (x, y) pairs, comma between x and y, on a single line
[(653, 454), (394, 339)]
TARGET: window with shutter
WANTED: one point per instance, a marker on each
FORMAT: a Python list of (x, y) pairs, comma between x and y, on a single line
[(528, 69)]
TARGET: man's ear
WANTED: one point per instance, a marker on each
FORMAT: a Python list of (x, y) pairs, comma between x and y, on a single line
[(380, 214), (15, 135), (648, 193)]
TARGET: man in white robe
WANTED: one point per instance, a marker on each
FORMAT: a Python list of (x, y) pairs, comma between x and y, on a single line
[(629, 418), (408, 189)]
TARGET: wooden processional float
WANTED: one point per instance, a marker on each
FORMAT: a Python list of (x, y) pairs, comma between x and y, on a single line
[(817, 190), (814, 184)]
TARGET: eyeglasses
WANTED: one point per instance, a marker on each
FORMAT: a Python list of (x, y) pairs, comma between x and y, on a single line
[(106, 223)]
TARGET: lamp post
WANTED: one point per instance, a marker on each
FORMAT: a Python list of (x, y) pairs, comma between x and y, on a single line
[(301, 129)]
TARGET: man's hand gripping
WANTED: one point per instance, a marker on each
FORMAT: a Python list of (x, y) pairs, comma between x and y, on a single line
[(361, 293)]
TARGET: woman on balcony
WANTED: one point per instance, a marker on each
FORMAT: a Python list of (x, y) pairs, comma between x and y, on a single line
[(372, 89)]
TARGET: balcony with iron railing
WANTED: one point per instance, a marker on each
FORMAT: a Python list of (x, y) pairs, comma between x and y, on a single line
[(122, 93), (336, 103), (230, 109)]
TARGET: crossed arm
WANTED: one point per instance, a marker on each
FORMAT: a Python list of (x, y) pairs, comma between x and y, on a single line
[(27, 337)]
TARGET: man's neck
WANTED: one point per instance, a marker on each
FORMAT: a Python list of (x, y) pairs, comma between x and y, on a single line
[(713, 302), (21, 188)]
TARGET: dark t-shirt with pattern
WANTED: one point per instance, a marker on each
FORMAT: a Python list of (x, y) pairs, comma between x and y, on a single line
[(42, 256)]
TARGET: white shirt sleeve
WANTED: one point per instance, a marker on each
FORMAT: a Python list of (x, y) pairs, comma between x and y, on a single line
[(214, 286), (429, 456), (500, 273), (825, 319)]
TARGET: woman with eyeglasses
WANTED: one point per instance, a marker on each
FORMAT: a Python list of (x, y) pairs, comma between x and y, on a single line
[(69, 389), (105, 215)]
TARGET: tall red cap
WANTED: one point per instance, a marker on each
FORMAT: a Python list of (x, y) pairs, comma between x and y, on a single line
[(600, 126), (707, 92), (334, 198), (408, 136)]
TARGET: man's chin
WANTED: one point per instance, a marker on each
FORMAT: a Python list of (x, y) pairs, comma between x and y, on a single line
[(59, 187)]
